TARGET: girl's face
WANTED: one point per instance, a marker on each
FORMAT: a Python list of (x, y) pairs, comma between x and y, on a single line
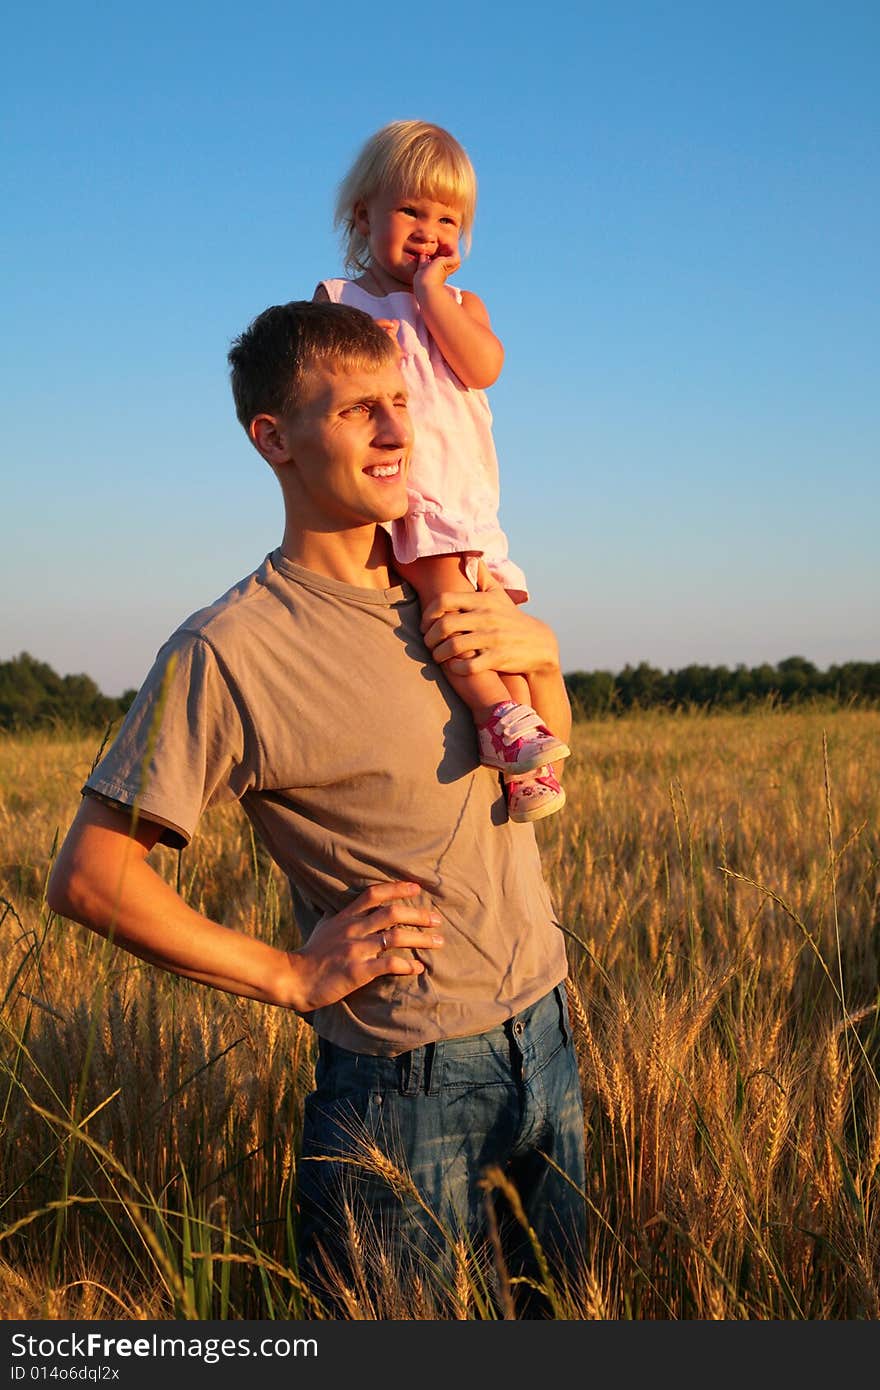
[(401, 230)]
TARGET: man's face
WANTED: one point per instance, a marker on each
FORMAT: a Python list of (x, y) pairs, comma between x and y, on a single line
[(349, 444)]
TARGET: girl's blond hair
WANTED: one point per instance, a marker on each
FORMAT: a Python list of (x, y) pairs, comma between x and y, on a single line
[(415, 159)]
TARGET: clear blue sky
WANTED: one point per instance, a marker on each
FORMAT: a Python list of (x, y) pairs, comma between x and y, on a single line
[(677, 239)]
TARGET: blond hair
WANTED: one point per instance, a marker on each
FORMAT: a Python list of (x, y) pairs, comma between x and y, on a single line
[(415, 159)]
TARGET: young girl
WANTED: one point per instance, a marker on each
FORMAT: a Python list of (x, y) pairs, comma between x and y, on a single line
[(405, 208)]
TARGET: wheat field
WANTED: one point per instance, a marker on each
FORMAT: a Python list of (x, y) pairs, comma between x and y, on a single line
[(716, 877)]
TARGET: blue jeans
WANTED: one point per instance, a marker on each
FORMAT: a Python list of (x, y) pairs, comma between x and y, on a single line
[(422, 1128)]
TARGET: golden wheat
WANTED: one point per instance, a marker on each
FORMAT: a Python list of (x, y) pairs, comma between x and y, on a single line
[(717, 881)]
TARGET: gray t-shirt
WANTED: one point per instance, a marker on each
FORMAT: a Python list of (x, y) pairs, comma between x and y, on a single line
[(318, 706)]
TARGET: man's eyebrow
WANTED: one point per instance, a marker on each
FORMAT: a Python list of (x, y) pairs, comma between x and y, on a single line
[(367, 399)]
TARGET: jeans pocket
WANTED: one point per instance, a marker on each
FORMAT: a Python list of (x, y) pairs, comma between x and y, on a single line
[(334, 1125)]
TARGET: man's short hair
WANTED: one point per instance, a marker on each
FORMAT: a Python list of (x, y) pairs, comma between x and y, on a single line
[(272, 358)]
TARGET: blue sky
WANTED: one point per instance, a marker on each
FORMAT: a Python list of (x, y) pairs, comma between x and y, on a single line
[(676, 239)]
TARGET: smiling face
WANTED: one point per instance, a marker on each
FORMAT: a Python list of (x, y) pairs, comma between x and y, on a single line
[(348, 448), (400, 230)]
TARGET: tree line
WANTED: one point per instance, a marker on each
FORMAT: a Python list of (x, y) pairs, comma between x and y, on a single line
[(34, 696), (790, 682)]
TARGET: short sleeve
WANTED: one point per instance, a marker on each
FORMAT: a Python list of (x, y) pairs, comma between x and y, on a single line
[(186, 743)]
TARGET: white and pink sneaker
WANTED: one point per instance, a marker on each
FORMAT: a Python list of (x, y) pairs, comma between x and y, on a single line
[(534, 795), (514, 740)]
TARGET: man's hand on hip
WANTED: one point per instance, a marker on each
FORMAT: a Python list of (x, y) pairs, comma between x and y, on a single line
[(102, 879), (358, 944)]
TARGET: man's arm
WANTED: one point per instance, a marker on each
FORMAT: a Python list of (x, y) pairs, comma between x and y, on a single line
[(101, 879), (502, 638)]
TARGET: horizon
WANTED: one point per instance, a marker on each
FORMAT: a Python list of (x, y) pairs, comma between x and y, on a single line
[(568, 672)]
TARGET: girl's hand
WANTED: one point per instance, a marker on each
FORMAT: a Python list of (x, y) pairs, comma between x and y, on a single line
[(433, 271), (391, 326)]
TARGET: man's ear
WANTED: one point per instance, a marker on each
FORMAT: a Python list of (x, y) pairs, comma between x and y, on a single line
[(269, 438), (361, 217)]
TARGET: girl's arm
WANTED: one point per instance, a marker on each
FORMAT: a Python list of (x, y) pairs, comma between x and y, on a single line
[(462, 331)]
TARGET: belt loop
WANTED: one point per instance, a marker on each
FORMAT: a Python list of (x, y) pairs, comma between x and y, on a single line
[(412, 1070), (433, 1068), (324, 1071)]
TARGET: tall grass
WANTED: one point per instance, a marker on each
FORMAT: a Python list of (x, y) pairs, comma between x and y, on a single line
[(716, 878)]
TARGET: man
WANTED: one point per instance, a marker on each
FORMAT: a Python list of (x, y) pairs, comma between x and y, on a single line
[(431, 967)]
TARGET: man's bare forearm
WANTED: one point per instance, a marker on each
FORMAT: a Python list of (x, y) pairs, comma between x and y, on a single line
[(548, 692), (102, 880)]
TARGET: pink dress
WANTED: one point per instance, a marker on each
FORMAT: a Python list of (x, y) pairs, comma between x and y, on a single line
[(453, 482)]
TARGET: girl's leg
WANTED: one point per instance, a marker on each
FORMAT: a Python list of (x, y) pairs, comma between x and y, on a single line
[(533, 795), (438, 574), (513, 738), (517, 688)]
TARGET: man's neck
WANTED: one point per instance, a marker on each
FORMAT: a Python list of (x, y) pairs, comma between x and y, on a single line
[(361, 558)]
